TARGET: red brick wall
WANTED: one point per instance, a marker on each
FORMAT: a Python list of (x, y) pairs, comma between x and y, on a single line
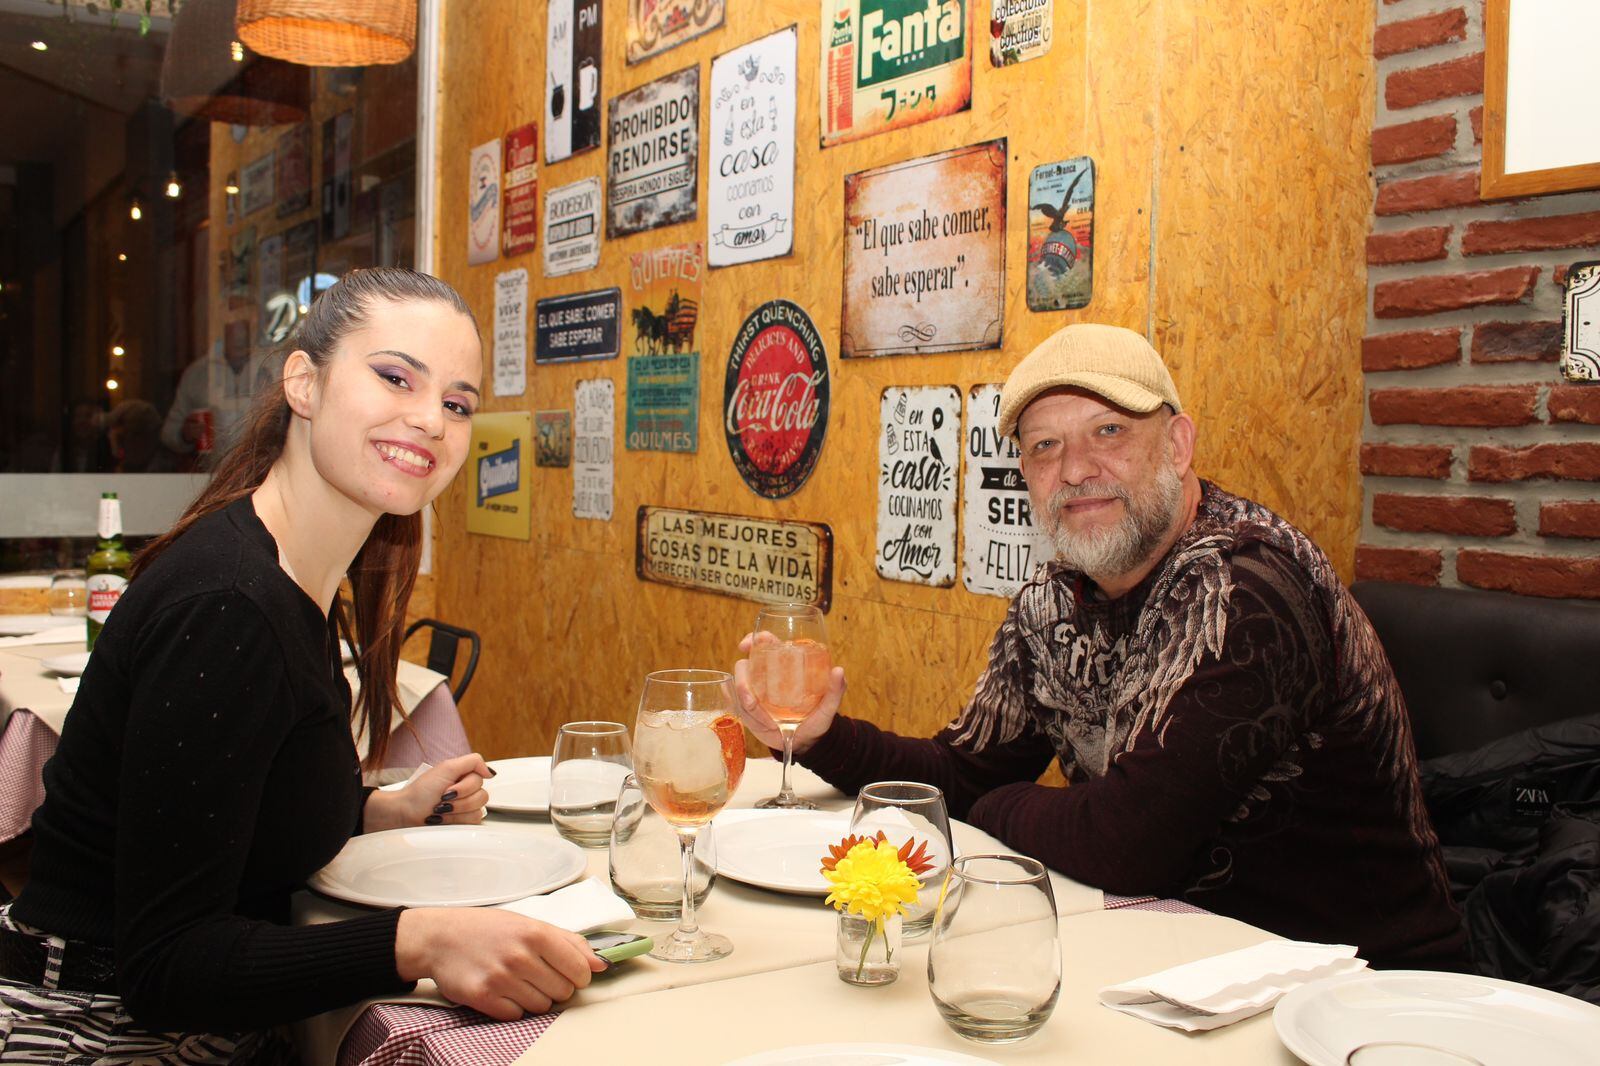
[(1480, 466)]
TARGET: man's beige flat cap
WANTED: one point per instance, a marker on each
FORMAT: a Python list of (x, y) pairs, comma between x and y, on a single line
[(1109, 361)]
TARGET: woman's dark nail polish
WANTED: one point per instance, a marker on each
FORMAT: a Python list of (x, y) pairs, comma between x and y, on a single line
[(444, 808), (433, 819), (448, 796), (493, 772)]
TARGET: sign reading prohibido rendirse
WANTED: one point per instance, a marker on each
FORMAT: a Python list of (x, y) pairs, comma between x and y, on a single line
[(756, 559), (1002, 544), (655, 150), (582, 325), (775, 398), (919, 450)]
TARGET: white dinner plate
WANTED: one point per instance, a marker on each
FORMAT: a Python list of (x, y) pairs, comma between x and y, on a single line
[(860, 1055), (520, 786), (67, 665), (1498, 1023), (22, 625), (780, 850), (448, 866)]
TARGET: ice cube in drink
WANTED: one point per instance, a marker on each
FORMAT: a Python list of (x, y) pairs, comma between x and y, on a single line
[(678, 758), (790, 677)]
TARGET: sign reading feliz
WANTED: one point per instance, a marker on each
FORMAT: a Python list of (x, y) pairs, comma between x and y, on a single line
[(919, 447), (749, 558), (651, 176), (572, 228), (1002, 546), (924, 254), (751, 199), (775, 398), (887, 64)]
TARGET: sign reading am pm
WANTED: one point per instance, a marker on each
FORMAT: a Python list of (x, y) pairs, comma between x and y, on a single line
[(756, 559)]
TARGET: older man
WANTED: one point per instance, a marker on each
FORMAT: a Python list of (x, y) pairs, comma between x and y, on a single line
[(1229, 726)]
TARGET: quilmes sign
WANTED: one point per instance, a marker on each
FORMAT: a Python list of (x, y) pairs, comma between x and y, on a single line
[(900, 37), (499, 472)]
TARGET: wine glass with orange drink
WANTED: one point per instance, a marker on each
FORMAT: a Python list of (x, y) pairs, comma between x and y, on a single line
[(789, 668), (688, 755)]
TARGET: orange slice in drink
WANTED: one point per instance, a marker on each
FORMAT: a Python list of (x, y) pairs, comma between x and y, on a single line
[(731, 734)]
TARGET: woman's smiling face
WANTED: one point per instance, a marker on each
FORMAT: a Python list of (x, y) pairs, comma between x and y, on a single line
[(391, 411)]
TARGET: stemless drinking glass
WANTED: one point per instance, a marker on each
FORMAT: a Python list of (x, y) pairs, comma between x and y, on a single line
[(904, 810), (689, 752), (789, 668), (69, 594), (994, 967), (586, 770), (646, 869)]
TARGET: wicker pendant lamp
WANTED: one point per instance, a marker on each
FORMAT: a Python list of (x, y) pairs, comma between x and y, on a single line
[(200, 77), (330, 33)]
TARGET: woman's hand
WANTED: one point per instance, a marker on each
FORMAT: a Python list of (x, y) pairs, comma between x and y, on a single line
[(761, 723), (494, 961), (448, 794)]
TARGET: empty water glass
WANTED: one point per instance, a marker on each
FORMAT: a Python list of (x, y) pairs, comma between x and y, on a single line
[(587, 768), (645, 860), (994, 967), (69, 594), (903, 810)]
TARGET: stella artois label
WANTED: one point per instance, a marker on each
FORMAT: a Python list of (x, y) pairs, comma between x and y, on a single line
[(104, 592), (776, 398)]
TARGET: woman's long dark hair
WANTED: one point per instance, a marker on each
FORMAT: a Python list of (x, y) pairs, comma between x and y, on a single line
[(385, 569)]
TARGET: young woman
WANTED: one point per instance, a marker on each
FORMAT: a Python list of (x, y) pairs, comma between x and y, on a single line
[(207, 766)]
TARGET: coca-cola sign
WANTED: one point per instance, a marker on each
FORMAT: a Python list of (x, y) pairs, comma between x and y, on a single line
[(775, 403)]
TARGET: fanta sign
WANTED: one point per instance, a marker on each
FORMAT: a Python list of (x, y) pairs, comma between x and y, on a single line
[(904, 36)]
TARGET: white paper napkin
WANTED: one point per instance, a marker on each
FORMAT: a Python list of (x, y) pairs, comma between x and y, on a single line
[(581, 908), (69, 685), (68, 634), (1227, 988)]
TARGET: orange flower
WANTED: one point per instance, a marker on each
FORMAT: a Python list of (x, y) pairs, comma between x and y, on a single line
[(913, 853)]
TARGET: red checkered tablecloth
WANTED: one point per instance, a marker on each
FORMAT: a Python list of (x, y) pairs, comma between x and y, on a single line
[(26, 744)]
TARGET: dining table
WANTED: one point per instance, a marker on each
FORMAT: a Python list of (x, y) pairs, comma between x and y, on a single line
[(34, 701), (780, 987)]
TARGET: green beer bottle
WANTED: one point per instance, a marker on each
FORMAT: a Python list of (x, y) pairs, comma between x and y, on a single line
[(107, 569)]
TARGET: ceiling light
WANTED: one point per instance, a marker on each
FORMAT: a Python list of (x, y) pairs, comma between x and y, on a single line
[(112, 384), (117, 349), (135, 212), (236, 50), (122, 257), (174, 186), (40, 46), (232, 188)]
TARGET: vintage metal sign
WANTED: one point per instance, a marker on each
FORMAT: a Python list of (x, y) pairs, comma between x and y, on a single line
[(520, 228), (338, 147), (925, 254), (256, 188), (552, 438), (498, 503), (572, 84), (269, 289), (775, 398), (483, 203), (572, 228), (582, 325), (664, 287), (663, 403), (919, 451), (887, 64), (1580, 324), (747, 558), (1061, 235), (511, 333), (750, 205), (651, 175), (594, 423), (294, 170), (1019, 30), (240, 258), (657, 25), (1002, 547)]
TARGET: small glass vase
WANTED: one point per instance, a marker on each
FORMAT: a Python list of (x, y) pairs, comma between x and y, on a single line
[(868, 953)]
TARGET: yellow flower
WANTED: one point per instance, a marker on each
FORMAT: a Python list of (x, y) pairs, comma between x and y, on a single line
[(872, 881)]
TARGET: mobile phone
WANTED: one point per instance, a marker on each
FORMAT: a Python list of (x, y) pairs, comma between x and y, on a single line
[(615, 947)]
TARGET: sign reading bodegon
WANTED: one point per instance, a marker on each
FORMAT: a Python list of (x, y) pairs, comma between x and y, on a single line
[(758, 559)]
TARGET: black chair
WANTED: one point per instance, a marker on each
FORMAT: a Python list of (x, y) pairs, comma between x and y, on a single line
[(1475, 665), (443, 643)]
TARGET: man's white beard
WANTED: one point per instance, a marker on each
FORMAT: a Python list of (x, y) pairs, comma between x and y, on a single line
[(1111, 552)]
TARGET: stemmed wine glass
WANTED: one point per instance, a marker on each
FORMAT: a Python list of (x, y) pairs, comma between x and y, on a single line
[(789, 668), (688, 754)]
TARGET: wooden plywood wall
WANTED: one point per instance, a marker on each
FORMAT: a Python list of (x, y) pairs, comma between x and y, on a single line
[(1231, 149)]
